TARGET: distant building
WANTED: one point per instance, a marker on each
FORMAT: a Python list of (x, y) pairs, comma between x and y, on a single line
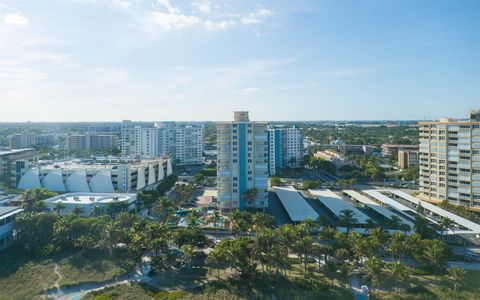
[(285, 148), (95, 142), (22, 140), (182, 142), (12, 162), (87, 201), (450, 161), (392, 149), (45, 140), (407, 158), (242, 148), (333, 156), (99, 176), (7, 224)]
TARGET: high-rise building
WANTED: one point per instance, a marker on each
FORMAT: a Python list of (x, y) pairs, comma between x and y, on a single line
[(22, 140), (12, 162), (285, 148), (450, 161), (407, 158), (182, 142), (242, 169)]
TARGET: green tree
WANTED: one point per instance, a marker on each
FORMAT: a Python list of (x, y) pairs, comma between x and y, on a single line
[(199, 178), (457, 275), (399, 272), (275, 181), (435, 255), (347, 219), (250, 195), (303, 247), (59, 206), (373, 267)]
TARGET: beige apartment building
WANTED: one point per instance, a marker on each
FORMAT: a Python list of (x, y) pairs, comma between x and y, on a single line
[(449, 160)]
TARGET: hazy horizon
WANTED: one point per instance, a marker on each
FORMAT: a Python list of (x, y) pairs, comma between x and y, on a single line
[(98, 60)]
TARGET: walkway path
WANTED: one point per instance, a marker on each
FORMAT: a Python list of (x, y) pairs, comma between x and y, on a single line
[(356, 288), (60, 277)]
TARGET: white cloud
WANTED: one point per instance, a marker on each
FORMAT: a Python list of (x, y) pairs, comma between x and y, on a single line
[(124, 3), (170, 8), (202, 6), (257, 17), (357, 71), (223, 25), (249, 91), (16, 19), (173, 21)]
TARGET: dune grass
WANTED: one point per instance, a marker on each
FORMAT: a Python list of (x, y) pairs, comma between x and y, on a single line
[(28, 277)]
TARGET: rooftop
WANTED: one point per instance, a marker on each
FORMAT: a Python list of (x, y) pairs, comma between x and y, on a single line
[(13, 151), (296, 206), (6, 211), (90, 198)]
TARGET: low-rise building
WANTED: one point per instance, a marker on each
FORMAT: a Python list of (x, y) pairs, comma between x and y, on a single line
[(99, 176), (407, 158), (392, 149), (87, 201), (333, 156), (7, 222)]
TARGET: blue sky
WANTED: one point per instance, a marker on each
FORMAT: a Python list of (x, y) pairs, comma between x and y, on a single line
[(102, 60)]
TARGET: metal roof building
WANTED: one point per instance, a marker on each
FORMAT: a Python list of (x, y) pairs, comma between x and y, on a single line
[(296, 206), (387, 213), (438, 211), (336, 204)]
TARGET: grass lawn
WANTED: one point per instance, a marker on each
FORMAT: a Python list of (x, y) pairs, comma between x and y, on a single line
[(260, 287), (28, 277), (423, 288)]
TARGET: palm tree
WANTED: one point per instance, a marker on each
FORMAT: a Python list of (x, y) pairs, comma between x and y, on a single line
[(399, 272), (374, 268), (405, 228), (216, 260), (193, 219), (95, 211), (434, 254), (163, 206), (395, 222), (77, 210), (250, 195), (215, 218), (369, 225), (457, 275), (59, 206), (396, 245), (420, 223), (445, 223), (347, 219), (331, 269), (188, 252), (412, 248), (303, 248), (322, 221)]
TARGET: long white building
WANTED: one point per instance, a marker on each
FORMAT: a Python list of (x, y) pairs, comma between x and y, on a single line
[(242, 163), (285, 148), (182, 142), (99, 177)]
